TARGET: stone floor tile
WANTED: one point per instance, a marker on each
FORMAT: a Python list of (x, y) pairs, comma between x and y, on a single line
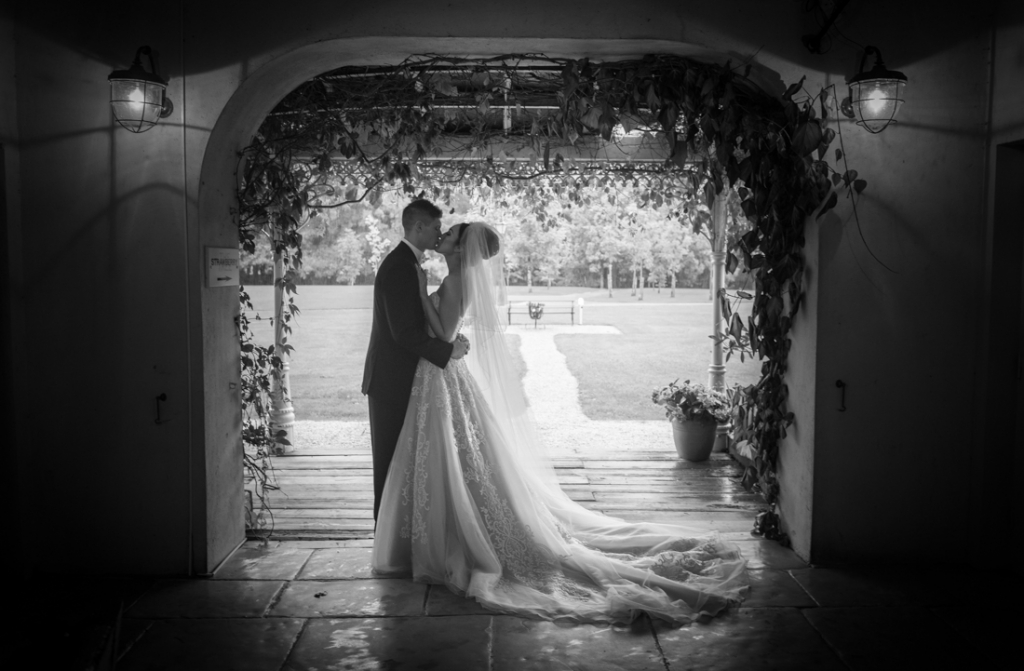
[(990, 630), (456, 643), (527, 645), (761, 553), (351, 598), (338, 564), (892, 638), (131, 631), (880, 587), (88, 597), (442, 601), (206, 598), (88, 608), (217, 645), (748, 639), (263, 563), (776, 589)]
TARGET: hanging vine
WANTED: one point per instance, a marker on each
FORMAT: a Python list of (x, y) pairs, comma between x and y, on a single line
[(433, 121)]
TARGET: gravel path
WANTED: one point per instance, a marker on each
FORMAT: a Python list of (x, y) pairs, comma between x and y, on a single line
[(553, 394)]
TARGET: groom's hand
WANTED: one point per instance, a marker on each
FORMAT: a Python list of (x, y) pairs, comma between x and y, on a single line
[(460, 347)]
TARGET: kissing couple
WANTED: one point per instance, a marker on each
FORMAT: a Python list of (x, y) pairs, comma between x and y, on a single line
[(464, 495)]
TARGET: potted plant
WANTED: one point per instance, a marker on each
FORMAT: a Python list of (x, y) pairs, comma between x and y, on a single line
[(695, 412)]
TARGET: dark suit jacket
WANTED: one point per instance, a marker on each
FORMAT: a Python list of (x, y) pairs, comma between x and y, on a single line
[(398, 337)]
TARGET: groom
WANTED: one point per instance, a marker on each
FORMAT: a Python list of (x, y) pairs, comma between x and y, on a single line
[(398, 337)]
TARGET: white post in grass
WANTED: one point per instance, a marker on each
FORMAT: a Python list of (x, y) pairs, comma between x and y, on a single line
[(282, 412), (716, 371)]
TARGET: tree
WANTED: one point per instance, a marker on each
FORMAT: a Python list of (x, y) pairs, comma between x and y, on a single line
[(668, 249), (257, 267), (350, 250)]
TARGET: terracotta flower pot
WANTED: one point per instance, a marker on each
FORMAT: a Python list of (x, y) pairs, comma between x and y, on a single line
[(694, 440)]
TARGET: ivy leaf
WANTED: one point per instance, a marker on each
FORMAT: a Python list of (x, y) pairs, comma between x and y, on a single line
[(481, 80), (653, 101), (668, 116), (731, 263), (839, 154), (749, 239), (829, 204), (607, 122), (679, 153), (859, 184), (793, 88), (629, 122), (592, 118), (445, 87), (807, 138), (709, 85), (736, 327)]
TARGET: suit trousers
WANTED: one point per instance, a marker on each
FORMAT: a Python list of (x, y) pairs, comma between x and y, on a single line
[(386, 419)]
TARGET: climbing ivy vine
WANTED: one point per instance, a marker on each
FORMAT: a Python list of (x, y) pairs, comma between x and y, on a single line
[(433, 121)]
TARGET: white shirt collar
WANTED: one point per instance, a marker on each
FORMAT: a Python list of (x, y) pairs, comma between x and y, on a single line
[(416, 250)]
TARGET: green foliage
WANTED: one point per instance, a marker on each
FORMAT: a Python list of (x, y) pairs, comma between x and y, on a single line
[(259, 364), (359, 133), (692, 402)]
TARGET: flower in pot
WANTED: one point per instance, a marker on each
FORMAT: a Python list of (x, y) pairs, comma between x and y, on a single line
[(695, 412)]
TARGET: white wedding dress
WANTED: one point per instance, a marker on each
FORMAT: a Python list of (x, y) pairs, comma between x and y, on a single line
[(464, 506)]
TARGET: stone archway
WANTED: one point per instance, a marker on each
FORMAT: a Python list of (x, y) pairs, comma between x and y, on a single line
[(217, 499)]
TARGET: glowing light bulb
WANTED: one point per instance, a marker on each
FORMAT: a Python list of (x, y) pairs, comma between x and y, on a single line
[(136, 98), (877, 101)]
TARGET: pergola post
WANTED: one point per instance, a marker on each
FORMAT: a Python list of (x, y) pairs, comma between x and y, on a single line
[(716, 371), (282, 413)]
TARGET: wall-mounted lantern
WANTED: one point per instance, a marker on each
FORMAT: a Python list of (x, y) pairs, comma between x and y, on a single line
[(137, 97), (875, 96)]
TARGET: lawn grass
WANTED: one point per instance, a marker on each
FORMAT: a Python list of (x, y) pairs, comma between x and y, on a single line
[(662, 339), (659, 343)]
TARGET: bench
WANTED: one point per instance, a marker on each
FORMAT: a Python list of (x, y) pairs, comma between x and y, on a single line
[(544, 308)]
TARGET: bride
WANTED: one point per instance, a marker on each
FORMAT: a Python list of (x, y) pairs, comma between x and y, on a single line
[(470, 501)]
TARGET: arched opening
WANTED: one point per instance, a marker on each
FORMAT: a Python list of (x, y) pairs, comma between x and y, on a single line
[(217, 489)]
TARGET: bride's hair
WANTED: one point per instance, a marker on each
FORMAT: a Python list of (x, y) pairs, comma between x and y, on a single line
[(491, 241)]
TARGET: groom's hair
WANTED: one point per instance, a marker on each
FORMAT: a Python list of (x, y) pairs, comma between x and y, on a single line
[(418, 207)]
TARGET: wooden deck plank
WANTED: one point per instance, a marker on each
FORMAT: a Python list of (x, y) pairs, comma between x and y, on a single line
[(326, 494)]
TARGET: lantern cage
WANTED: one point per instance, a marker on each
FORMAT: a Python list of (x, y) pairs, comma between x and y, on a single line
[(875, 96), (137, 97)]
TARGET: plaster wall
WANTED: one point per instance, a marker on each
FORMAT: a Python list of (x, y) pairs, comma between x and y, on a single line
[(102, 237), (12, 320), (999, 442), (796, 450), (898, 307), (114, 227), (1007, 123)]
